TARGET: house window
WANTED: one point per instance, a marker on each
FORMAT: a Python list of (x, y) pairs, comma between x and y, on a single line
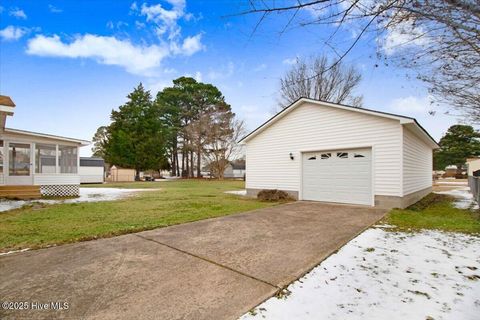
[(313, 158), (1, 156), (342, 155), (358, 155), (45, 158), (67, 159), (325, 156)]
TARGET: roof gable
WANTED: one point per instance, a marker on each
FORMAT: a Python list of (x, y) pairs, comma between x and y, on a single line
[(402, 119)]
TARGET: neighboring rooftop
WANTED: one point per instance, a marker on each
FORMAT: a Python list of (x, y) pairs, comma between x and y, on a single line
[(6, 101)]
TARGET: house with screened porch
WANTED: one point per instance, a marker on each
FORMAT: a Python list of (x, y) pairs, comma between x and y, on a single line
[(36, 164)]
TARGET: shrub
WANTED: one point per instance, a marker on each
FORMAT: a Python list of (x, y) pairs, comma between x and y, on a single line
[(273, 195)]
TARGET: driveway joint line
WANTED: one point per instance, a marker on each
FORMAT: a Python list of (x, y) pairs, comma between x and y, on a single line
[(209, 261)]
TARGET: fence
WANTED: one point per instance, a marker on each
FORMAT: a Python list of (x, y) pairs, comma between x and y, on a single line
[(474, 184)]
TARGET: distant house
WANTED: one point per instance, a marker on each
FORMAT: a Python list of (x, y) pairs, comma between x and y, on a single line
[(118, 174), (91, 170), (40, 163), (452, 171), (473, 164), (236, 169)]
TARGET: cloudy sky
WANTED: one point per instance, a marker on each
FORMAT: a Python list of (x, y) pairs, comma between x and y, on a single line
[(67, 64)]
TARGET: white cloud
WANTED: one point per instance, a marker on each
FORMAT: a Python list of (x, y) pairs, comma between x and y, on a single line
[(18, 13), (12, 33), (118, 25), (403, 36), (166, 20), (189, 46), (225, 72), (435, 118), (253, 116), (290, 61), (260, 67), (140, 25), (157, 86), (142, 57), (169, 70), (54, 9), (105, 50), (411, 105)]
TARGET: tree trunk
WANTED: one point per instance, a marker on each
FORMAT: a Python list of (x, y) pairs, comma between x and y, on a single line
[(174, 164), (183, 162), (175, 157), (199, 162), (191, 163), (176, 161), (187, 165)]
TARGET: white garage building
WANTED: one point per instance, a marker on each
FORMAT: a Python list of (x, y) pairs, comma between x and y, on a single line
[(328, 152), (91, 170)]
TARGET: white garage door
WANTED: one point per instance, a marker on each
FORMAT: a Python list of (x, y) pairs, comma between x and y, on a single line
[(338, 176)]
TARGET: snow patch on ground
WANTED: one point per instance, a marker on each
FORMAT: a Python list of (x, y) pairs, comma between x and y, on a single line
[(14, 251), (457, 183), (464, 199), (238, 192), (86, 195), (388, 275)]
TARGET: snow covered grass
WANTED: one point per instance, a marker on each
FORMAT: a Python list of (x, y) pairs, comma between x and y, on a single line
[(388, 275), (86, 195), (464, 199), (238, 192), (438, 211)]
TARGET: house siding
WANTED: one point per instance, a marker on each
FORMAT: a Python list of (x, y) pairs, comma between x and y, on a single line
[(56, 179), (417, 163), (313, 127)]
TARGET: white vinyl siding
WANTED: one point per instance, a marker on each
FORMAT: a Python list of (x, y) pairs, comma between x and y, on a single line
[(312, 127), (417, 163), (91, 174), (56, 179)]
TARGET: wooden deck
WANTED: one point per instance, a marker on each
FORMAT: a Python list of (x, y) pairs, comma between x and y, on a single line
[(20, 192)]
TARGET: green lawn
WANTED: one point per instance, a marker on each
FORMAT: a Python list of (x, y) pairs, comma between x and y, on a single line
[(435, 212), (177, 202)]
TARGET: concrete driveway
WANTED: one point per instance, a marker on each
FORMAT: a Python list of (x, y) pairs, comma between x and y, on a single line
[(212, 269)]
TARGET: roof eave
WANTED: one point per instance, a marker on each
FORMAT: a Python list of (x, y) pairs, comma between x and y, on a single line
[(48, 136)]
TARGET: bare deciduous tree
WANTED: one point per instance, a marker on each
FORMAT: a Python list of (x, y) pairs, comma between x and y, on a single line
[(438, 39), (313, 78), (222, 145)]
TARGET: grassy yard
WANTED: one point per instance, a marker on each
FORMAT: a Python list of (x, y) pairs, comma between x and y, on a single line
[(177, 202), (435, 212)]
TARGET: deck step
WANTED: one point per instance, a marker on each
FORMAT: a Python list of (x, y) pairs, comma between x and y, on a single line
[(20, 192)]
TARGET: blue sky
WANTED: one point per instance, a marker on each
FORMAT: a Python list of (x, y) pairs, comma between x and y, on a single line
[(67, 64)]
